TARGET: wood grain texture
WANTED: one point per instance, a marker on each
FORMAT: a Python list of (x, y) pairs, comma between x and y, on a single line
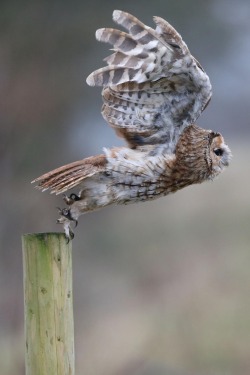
[(49, 324)]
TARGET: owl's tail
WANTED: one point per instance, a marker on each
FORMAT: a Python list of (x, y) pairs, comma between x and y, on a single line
[(68, 176)]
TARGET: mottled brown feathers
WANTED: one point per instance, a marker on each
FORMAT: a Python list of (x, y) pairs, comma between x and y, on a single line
[(154, 90)]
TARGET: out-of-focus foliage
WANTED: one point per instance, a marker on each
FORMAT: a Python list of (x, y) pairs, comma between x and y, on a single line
[(161, 287)]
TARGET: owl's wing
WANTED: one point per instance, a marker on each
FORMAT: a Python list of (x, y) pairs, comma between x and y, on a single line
[(153, 86)]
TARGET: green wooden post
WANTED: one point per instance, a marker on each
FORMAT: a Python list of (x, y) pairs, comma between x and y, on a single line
[(49, 324)]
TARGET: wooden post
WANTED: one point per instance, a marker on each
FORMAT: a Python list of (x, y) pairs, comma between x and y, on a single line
[(49, 325)]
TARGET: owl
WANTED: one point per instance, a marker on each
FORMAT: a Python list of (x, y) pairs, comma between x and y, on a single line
[(153, 92)]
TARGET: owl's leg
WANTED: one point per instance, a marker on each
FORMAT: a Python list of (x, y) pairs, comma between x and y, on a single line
[(66, 219), (95, 194), (78, 205)]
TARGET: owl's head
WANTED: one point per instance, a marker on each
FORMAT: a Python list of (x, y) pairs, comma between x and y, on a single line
[(219, 154), (200, 155)]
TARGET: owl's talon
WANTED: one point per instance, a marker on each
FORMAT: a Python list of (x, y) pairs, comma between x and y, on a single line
[(65, 213), (69, 236), (75, 197), (71, 199), (66, 219)]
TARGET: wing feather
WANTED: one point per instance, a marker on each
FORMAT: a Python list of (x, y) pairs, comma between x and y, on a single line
[(153, 86)]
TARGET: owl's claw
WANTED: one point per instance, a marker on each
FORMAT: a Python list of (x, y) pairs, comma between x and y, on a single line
[(66, 219), (69, 234), (71, 199)]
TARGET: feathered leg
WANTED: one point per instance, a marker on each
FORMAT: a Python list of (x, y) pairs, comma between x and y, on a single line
[(85, 172), (121, 176)]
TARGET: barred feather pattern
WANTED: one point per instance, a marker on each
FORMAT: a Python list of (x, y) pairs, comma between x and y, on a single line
[(153, 86), (153, 92)]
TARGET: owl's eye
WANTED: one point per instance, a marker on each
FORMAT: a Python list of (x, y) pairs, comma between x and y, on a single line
[(218, 151)]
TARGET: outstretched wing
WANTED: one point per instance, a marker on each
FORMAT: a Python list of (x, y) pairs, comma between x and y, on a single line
[(153, 86)]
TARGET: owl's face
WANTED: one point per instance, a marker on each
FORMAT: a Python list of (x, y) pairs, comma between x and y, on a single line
[(219, 155)]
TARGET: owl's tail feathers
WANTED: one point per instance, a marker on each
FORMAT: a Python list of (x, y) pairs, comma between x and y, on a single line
[(68, 176)]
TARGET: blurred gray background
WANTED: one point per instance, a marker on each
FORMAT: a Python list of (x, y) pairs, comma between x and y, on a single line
[(161, 287)]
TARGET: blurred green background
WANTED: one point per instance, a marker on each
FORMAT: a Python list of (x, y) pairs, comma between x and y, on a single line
[(161, 287)]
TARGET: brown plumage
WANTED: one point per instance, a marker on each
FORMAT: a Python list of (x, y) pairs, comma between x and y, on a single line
[(153, 91)]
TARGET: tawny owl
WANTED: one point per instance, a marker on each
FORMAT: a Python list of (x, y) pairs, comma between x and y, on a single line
[(153, 92)]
